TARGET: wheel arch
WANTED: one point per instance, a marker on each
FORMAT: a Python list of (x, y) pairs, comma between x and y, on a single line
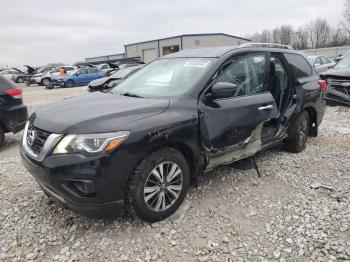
[(194, 160)]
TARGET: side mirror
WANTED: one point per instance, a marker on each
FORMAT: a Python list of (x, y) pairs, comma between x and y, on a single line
[(224, 89)]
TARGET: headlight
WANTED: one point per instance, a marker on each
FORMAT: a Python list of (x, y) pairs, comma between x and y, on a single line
[(90, 143)]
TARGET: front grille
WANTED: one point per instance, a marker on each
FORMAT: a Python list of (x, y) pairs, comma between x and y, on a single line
[(40, 138), (340, 85)]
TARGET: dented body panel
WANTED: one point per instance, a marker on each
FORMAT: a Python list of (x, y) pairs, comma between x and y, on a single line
[(208, 130)]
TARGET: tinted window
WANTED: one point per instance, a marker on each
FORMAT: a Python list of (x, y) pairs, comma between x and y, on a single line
[(104, 67), (300, 67), (248, 73)]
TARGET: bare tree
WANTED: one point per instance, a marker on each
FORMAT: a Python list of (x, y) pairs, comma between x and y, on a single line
[(287, 33), (266, 36), (319, 32), (301, 38), (276, 35)]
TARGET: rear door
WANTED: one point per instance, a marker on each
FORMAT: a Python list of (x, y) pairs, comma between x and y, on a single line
[(232, 126)]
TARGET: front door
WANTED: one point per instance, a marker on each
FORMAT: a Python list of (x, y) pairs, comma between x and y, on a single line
[(231, 127)]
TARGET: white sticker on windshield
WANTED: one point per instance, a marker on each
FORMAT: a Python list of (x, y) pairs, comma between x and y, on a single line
[(196, 64)]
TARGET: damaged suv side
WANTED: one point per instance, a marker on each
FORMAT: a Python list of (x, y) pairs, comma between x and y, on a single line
[(142, 144)]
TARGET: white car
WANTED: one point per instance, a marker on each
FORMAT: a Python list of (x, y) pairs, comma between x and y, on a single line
[(46, 78), (9, 73), (321, 63)]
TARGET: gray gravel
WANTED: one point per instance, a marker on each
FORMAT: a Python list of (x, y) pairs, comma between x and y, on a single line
[(298, 211)]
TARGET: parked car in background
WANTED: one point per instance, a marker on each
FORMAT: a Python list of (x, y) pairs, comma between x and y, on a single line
[(37, 77), (341, 56), (111, 81), (9, 73), (47, 77), (321, 63), (140, 145), (78, 77), (25, 74), (338, 78), (13, 113)]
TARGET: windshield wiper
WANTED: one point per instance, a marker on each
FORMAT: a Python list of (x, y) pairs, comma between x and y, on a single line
[(131, 95)]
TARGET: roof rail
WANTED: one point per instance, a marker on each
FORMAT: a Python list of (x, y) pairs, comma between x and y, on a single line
[(268, 45)]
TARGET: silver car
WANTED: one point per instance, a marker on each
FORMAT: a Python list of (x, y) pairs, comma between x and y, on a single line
[(321, 63)]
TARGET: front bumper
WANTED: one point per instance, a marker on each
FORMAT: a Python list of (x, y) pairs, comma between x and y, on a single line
[(64, 176)]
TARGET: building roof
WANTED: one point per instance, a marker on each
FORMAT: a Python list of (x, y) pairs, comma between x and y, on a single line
[(185, 35), (202, 52), (104, 56)]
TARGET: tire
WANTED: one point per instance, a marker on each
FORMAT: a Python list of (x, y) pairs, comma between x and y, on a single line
[(2, 136), (164, 196), (19, 80), (297, 133), (70, 83), (45, 82)]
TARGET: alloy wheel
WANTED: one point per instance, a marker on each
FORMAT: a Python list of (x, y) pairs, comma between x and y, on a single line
[(163, 186)]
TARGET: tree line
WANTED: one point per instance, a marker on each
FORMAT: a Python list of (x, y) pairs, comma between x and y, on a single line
[(315, 34)]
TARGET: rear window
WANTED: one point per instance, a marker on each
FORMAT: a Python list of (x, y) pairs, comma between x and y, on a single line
[(300, 67), (6, 83)]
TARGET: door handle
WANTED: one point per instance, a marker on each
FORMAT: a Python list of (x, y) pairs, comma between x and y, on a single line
[(265, 107)]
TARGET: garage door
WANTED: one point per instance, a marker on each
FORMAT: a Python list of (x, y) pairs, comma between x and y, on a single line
[(149, 55)]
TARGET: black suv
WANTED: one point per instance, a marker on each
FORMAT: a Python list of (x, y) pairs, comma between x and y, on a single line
[(141, 145), (13, 113)]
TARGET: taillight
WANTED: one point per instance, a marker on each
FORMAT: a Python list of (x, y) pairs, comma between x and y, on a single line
[(323, 86), (15, 92)]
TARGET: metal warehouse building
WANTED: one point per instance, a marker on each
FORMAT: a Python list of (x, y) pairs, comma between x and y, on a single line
[(150, 50)]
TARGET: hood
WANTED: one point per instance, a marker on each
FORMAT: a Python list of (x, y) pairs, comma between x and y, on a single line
[(30, 70), (96, 113), (337, 73), (20, 71), (99, 81)]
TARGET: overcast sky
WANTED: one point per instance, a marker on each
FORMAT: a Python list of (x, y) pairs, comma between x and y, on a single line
[(38, 32)]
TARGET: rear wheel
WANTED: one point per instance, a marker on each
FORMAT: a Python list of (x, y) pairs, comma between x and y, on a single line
[(2, 136), (159, 185), (70, 83), (297, 133)]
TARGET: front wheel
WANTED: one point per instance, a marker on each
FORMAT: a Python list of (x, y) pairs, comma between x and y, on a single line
[(297, 133), (158, 185)]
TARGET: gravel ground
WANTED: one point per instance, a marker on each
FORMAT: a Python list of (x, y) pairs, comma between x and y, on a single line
[(298, 211)]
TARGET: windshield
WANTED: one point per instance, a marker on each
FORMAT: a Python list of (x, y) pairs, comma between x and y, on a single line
[(344, 63), (165, 77), (123, 72)]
